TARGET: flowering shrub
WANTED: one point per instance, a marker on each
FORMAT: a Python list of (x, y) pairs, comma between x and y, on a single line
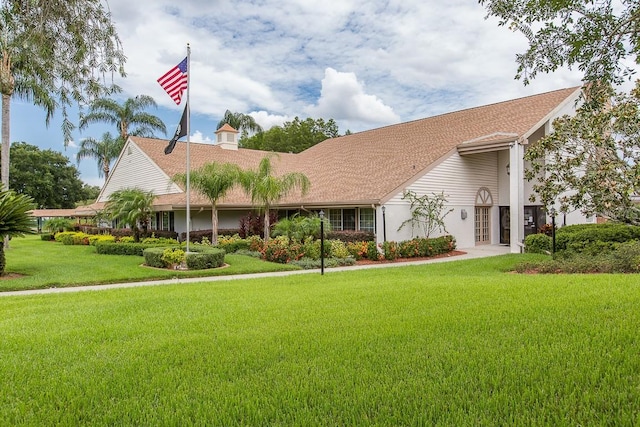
[(390, 251), (72, 238), (358, 250), (256, 244), (282, 250), (311, 248), (338, 249), (231, 244), (173, 256), (95, 238), (372, 251)]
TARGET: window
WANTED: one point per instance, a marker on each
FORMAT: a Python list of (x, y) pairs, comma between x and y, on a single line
[(352, 219), (163, 221), (348, 219), (367, 220), (335, 219)]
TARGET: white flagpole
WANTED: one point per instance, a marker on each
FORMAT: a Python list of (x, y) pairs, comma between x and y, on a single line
[(188, 140)]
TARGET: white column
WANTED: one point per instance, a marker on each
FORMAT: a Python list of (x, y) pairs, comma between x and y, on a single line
[(516, 195)]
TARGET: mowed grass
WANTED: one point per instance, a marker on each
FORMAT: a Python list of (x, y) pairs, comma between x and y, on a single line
[(52, 264), (457, 343)]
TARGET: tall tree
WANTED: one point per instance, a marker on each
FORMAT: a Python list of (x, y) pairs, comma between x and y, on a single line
[(213, 180), (132, 207), (130, 118), (292, 137), (266, 189), (596, 155), (243, 123), (594, 36), (55, 53), (590, 161), (47, 176), (104, 151), (14, 217)]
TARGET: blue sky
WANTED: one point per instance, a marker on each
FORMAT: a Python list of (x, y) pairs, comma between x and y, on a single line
[(364, 63)]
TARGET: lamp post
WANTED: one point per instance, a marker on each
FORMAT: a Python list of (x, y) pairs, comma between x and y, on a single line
[(384, 224), (321, 242)]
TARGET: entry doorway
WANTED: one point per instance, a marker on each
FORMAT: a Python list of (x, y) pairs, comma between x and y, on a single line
[(534, 218)]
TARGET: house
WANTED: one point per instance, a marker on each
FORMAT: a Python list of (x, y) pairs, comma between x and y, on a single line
[(474, 156)]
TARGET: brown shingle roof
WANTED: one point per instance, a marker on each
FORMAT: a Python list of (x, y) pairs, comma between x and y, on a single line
[(366, 167)]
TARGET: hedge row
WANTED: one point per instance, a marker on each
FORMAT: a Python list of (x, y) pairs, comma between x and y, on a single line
[(201, 258), (590, 239), (107, 248)]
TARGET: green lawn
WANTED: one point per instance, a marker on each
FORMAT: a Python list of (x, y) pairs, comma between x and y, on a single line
[(52, 264), (457, 343)]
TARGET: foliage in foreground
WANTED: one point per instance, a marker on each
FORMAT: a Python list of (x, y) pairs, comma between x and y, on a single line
[(445, 344), (14, 218), (587, 248)]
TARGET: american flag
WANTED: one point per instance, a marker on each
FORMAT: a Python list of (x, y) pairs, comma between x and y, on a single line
[(174, 81)]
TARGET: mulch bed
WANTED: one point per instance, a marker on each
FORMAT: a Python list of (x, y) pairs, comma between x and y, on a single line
[(399, 260)]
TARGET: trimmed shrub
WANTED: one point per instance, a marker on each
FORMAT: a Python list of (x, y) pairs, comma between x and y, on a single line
[(153, 257), (351, 236), (72, 238), (231, 244), (47, 237), (580, 238), (159, 241), (204, 258), (538, 244), (95, 238), (137, 249)]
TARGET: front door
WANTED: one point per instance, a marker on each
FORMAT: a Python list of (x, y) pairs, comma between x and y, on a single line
[(534, 218), (482, 225)]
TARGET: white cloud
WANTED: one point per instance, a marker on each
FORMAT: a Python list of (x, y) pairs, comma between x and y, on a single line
[(343, 98), (267, 121), (198, 136)]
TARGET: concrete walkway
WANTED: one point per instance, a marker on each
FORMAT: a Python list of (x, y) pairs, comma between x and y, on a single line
[(471, 253)]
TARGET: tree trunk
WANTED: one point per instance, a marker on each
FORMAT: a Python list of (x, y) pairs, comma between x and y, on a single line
[(105, 168), (6, 141), (6, 145), (214, 225), (266, 224), (2, 260)]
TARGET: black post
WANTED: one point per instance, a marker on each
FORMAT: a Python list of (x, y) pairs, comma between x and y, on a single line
[(384, 224), (321, 242), (553, 233)]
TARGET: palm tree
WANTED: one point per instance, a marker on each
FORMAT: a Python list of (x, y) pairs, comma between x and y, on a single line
[(130, 117), (104, 151), (265, 189), (132, 207), (213, 180), (240, 122), (14, 217)]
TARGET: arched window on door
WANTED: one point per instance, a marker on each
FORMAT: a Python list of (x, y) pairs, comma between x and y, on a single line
[(484, 202)]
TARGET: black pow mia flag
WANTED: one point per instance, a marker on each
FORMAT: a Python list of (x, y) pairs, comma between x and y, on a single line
[(181, 131)]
